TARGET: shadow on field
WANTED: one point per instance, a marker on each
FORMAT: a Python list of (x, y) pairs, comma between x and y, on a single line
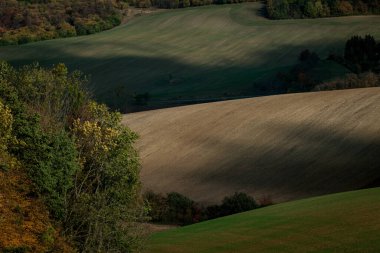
[(261, 11), (300, 160), (117, 79)]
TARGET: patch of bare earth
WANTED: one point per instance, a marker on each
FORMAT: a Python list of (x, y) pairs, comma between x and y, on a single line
[(286, 147)]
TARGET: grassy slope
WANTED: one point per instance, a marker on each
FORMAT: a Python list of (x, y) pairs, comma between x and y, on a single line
[(208, 51), (287, 146), (344, 222)]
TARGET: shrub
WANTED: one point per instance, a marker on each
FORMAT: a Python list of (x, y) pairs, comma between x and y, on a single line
[(180, 209), (351, 81), (345, 8), (239, 202), (362, 54), (6, 120), (175, 208), (52, 166), (6, 138), (66, 30), (157, 205)]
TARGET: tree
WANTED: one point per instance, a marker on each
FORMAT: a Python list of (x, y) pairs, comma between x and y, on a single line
[(105, 197), (77, 153), (362, 54), (311, 10), (184, 3), (180, 208), (237, 203), (345, 8)]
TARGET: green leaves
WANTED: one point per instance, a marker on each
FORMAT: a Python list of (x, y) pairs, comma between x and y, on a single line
[(79, 156)]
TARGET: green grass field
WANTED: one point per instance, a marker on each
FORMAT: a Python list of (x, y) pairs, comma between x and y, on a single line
[(193, 53), (344, 222)]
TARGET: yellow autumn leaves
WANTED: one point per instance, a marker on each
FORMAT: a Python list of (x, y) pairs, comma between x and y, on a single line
[(6, 120), (95, 137), (6, 137)]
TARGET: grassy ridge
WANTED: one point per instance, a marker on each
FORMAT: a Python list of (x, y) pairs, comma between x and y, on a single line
[(288, 146), (344, 222), (193, 53)]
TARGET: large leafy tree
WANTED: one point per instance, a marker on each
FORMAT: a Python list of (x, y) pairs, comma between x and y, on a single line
[(77, 153), (104, 197)]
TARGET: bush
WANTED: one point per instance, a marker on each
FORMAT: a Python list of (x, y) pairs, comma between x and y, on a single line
[(6, 138), (52, 166), (180, 209), (345, 8), (6, 120), (157, 206), (362, 54), (174, 208), (66, 30), (237, 203), (351, 81)]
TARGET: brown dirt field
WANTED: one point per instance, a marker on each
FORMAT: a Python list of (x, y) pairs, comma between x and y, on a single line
[(286, 147)]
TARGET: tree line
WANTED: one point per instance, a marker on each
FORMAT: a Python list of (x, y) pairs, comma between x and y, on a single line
[(24, 21), (361, 57), (32, 20), (174, 4), (175, 208), (283, 9)]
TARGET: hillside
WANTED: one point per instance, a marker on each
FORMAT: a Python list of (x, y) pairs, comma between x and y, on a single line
[(345, 222), (24, 220), (194, 53), (286, 146), (28, 21)]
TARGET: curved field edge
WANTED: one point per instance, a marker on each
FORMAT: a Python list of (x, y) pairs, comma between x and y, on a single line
[(344, 222), (193, 53), (286, 147)]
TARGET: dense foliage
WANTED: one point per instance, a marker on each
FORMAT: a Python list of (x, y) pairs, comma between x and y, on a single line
[(27, 21), (175, 208), (350, 81), (23, 21), (173, 4), (361, 57), (362, 54), (282, 9), (76, 152), (6, 137)]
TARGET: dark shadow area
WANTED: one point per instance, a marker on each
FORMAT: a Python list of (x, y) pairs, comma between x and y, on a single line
[(120, 80), (261, 11), (308, 161)]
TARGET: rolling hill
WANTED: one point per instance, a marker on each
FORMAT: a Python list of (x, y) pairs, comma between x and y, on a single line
[(344, 222), (286, 146), (194, 53)]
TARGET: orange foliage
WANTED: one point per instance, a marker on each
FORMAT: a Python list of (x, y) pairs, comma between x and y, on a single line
[(24, 220)]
